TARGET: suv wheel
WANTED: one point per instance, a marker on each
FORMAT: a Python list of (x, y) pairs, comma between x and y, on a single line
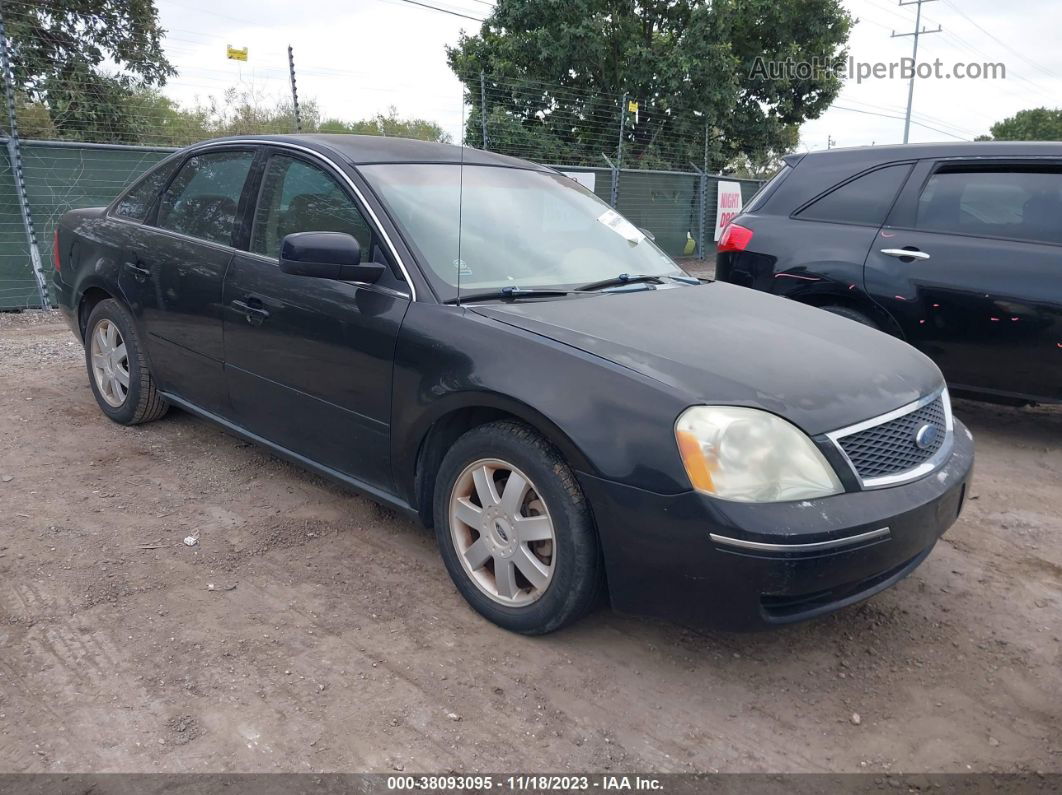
[(118, 373), (515, 531)]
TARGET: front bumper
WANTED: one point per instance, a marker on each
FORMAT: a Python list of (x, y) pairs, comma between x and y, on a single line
[(741, 566)]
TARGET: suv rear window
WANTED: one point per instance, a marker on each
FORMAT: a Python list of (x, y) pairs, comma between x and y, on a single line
[(865, 200), (766, 189), (1020, 203)]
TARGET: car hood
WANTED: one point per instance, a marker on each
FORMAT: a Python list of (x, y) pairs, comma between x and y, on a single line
[(719, 343)]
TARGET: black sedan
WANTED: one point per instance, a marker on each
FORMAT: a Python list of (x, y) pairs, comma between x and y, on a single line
[(483, 344), (955, 248)]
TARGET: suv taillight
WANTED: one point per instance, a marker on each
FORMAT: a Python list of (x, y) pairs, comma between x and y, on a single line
[(55, 250), (734, 238)]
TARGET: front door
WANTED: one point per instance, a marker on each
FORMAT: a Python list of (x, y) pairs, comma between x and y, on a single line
[(174, 269), (971, 266), (308, 361)]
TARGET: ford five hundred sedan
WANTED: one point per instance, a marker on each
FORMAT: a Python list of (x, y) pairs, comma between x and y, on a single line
[(484, 345)]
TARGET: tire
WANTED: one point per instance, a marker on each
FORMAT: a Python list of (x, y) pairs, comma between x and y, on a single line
[(137, 402), (505, 539), (851, 314)]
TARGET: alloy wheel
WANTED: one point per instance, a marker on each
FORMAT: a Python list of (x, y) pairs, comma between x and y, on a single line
[(110, 363), (502, 532)]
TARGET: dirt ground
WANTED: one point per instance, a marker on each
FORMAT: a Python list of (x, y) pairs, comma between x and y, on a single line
[(311, 630)]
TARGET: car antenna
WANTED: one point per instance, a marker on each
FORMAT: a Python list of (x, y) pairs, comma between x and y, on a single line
[(460, 200)]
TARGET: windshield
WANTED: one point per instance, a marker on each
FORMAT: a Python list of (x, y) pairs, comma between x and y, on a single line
[(518, 228)]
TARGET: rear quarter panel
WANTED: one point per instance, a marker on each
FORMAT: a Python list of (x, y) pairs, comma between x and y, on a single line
[(814, 262), (90, 250)]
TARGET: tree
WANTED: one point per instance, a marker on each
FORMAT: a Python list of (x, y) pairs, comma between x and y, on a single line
[(157, 120), (58, 50), (764, 165), (388, 124), (1037, 124), (558, 69)]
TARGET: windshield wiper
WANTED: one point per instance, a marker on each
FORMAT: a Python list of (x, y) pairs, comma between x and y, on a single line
[(509, 294), (622, 279)]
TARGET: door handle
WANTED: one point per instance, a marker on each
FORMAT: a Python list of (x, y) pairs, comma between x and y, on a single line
[(139, 272), (911, 253), (252, 310)]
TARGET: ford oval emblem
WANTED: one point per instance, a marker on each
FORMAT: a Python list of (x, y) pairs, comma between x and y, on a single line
[(926, 436)]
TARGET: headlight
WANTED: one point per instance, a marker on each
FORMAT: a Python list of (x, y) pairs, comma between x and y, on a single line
[(750, 455)]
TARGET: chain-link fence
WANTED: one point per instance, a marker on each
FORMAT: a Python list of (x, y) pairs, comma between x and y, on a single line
[(77, 141)]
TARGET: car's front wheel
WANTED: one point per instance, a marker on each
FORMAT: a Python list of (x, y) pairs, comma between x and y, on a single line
[(118, 372), (515, 531)]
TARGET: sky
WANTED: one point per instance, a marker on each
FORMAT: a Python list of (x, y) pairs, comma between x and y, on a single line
[(358, 58)]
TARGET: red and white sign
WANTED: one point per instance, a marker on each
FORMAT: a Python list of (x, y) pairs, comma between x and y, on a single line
[(727, 205)]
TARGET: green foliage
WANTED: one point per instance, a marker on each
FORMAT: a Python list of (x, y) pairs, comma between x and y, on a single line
[(388, 124), (764, 165), (158, 120), (558, 69), (1037, 124), (57, 54)]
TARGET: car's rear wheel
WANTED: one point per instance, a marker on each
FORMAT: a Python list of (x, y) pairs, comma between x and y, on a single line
[(118, 372), (851, 314), (515, 531)]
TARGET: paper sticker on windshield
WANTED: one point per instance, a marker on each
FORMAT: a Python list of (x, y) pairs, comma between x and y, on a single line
[(621, 226)]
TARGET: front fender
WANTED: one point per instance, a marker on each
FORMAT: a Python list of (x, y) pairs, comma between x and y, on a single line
[(607, 420)]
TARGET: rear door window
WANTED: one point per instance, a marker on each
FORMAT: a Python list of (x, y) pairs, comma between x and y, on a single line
[(137, 201), (1023, 203), (865, 200), (766, 189), (203, 198)]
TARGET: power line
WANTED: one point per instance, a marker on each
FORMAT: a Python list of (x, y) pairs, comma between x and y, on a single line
[(961, 42), (916, 117), (901, 118), (999, 41), (443, 10), (896, 13)]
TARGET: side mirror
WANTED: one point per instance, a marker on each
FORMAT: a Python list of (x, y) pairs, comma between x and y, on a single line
[(326, 255)]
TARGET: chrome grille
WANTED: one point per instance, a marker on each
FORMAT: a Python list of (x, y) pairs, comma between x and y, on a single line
[(890, 448)]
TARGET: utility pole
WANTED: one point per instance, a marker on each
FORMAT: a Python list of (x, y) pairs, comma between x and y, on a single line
[(916, 33)]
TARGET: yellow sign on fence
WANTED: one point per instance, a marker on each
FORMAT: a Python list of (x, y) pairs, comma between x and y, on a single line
[(236, 54), (632, 106)]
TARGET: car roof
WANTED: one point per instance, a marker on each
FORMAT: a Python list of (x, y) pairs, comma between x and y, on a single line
[(891, 152), (361, 150), (816, 172)]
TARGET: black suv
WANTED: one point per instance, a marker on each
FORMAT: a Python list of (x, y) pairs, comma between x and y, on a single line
[(956, 248)]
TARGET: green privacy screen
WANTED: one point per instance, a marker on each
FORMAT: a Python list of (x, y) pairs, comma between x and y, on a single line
[(666, 203), (59, 177), (64, 176)]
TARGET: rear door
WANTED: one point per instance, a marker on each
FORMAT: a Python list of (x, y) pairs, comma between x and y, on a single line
[(309, 361), (173, 272), (970, 264)]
